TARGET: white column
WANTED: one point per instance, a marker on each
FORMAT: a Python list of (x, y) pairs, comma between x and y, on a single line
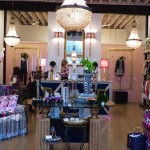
[(53, 26), (94, 26)]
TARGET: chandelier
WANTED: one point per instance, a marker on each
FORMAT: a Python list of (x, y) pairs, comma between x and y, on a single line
[(134, 41), (12, 38), (73, 15)]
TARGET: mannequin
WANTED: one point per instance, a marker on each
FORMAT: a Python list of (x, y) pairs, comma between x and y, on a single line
[(119, 69), (24, 67)]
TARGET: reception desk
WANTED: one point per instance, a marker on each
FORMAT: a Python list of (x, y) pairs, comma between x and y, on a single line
[(56, 86)]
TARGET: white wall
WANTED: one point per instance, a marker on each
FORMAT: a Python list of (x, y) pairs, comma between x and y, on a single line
[(94, 26), (34, 33), (114, 36), (1, 42), (52, 42)]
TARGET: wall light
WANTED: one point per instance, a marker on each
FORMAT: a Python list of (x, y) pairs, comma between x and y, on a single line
[(104, 64), (90, 36), (58, 35)]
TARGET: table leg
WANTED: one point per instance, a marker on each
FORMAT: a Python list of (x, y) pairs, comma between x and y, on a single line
[(45, 111), (83, 139), (51, 147), (67, 139)]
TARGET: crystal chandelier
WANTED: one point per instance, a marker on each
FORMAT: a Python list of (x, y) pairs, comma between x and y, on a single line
[(134, 41), (12, 38), (73, 15)]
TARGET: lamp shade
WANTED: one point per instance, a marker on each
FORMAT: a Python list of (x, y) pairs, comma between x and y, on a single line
[(43, 62), (134, 41), (90, 35), (58, 34), (103, 63), (12, 38), (73, 15)]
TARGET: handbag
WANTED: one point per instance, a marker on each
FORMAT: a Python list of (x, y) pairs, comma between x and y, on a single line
[(136, 140)]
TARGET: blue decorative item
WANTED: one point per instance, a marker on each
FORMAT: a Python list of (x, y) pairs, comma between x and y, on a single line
[(87, 82)]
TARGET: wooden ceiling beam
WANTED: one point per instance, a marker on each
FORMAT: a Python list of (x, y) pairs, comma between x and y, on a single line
[(45, 14), (121, 26), (120, 19), (25, 15), (34, 17), (108, 19), (40, 18), (129, 23), (113, 21)]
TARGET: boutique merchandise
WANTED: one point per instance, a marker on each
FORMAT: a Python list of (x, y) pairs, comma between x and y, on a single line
[(12, 117)]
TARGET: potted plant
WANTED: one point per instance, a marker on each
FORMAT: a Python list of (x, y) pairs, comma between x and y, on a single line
[(101, 99), (95, 64), (88, 65), (52, 64), (25, 56), (88, 70)]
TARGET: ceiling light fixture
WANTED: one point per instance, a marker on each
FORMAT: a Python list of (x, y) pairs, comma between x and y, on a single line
[(12, 38), (134, 41), (73, 15)]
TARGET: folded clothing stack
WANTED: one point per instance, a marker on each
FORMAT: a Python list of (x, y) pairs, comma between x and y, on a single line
[(8, 105)]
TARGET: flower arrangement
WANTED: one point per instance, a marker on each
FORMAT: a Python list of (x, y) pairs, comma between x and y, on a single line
[(88, 65)]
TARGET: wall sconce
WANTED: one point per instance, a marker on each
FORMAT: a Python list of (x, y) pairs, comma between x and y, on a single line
[(58, 35), (104, 65), (90, 36)]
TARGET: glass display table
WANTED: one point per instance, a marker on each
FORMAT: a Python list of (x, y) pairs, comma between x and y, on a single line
[(52, 142)]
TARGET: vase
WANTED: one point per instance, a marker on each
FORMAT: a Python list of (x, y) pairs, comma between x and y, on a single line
[(51, 74), (87, 85)]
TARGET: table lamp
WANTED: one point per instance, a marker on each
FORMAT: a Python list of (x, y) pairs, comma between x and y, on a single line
[(103, 65)]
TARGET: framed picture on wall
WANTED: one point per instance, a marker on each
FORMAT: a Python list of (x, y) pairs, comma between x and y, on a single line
[(74, 41)]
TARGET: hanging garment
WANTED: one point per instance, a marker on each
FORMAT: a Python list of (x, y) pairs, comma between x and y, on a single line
[(24, 70), (119, 69), (147, 87)]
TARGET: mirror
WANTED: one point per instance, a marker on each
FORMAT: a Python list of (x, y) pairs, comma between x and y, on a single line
[(74, 41)]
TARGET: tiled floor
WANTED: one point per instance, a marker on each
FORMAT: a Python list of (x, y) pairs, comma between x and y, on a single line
[(114, 131)]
